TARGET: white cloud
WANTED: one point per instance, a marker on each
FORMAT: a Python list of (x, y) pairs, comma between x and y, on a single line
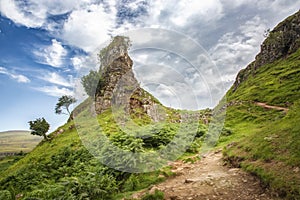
[(57, 7), (18, 77), (235, 50), (232, 29), (34, 13), (202, 9), (3, 70), (88, 28), (83, 63), (52, 55), (56, 79), (278, 5), (78, 62), (182, 13), (30, 15), (55, 91), (79, 92)]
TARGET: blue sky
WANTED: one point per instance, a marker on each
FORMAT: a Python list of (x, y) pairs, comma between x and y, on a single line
[(46, 45)]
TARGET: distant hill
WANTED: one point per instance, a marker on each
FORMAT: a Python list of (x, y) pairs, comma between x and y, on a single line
[(16, 141)]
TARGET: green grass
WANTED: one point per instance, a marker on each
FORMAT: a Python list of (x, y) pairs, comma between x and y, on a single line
[(7, 161), (63, 167), (266, 142), (17, 141), (275, 84)]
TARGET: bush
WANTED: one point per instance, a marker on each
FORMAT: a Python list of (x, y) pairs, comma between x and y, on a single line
[(226, 131), (158, 195), (202, 130), (161, 135), (132, 183), (5, 195), (195, 146)]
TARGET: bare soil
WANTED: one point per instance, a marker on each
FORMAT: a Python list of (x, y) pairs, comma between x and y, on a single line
[(207, 179), (264, 105)]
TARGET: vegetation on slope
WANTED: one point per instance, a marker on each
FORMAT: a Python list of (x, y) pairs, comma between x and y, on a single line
[(274, 84), (63, 168), (266, 142)]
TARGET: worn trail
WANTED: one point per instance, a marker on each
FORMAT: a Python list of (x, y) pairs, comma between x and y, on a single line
[(264, 105), (207, 179)]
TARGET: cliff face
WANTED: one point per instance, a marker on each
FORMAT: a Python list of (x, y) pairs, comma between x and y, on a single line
[(112, 75), (281, 42), (120, 89)]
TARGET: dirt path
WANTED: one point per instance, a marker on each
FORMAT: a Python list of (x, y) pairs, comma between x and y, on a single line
[(208, 179), (264, 105)]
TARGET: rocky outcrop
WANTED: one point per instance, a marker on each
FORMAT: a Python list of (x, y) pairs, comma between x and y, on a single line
[(281, 42), (112, 76), (119, 87)]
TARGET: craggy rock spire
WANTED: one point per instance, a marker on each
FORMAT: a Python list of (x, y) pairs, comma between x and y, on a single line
[(119, 86)]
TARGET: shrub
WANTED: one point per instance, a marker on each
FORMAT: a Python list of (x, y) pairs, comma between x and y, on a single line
[(158, 195), (5, 195)]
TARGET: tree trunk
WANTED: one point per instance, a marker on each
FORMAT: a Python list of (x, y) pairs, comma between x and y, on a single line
[(70, 115), (45, 137)]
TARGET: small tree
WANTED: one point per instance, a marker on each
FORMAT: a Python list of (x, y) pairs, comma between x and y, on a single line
[(91, 83), (64, 102), (39, 127)]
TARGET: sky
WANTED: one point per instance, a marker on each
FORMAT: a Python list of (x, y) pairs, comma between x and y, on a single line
[(186, 52)]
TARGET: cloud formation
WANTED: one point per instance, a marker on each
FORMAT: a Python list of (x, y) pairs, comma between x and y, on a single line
[(52, 55), (231, 32), (235, 49), (88, 28), (55, 78), (18, 77), (55, 91)]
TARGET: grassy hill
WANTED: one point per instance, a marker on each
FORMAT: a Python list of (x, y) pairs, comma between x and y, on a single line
[(16, 141), (257, 137), (266, 141), (64, 167)]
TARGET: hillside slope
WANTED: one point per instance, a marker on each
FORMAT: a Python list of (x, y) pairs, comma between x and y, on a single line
[(66, 167), (263, 113), (261, 135)]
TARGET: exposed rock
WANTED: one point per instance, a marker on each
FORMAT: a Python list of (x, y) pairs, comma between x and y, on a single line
[(60, 131), (189, 181), (161, 176), (120, 89), (72, 127), (153, 189), (282, 41), (234, 170)]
